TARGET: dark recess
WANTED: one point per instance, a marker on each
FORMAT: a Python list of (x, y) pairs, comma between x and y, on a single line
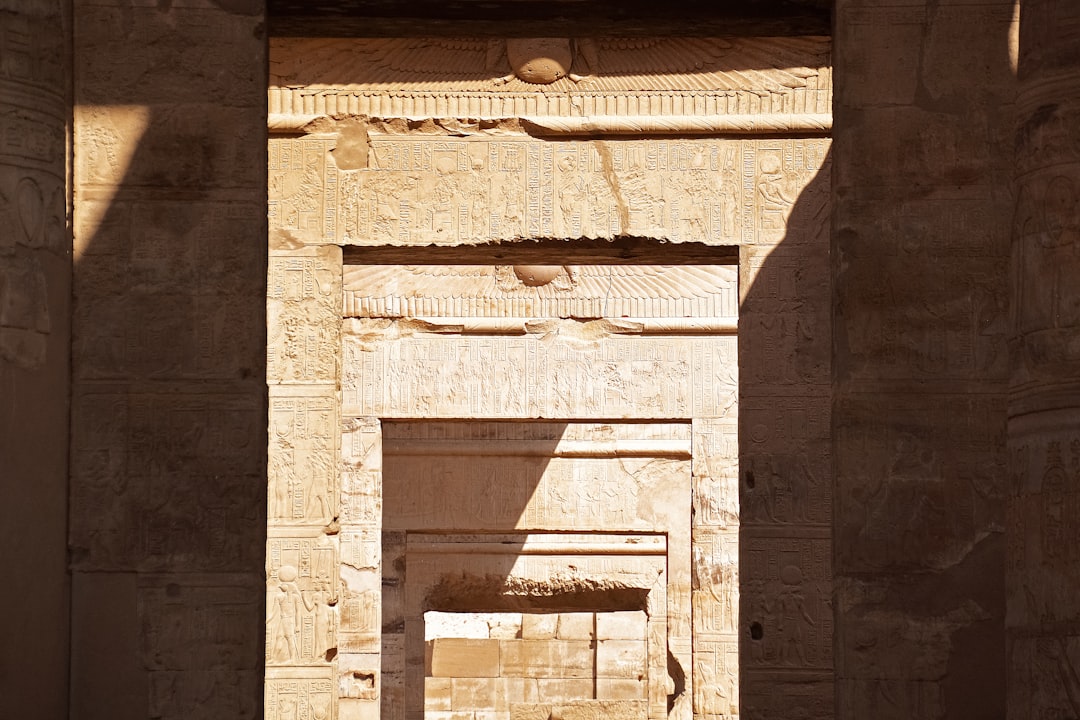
[(547, 18)]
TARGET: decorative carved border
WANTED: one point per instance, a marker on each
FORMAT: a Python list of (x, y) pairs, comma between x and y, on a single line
[(611, 86)]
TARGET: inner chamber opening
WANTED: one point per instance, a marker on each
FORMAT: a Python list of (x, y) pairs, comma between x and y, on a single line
[(531, 664)]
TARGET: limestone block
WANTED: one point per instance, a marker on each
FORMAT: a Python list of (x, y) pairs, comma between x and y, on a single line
[(304, 460), (360, 603), (576, 626), (361, 475), (511, 658), (716, 675), (570, 659), (349, 709), (620, 689), (303, 314), (186, 626), (539, 626), (547, 658), (302, 591), (715, 596), (464, 658), (516, 690), (288, 689), (622, 625), (505, 625), (138, 437), (793, 608), (620, 659), (530, 711), (552, 690), (359, 675), (437, 693), (600, 710), (474, 693), (458, 625)]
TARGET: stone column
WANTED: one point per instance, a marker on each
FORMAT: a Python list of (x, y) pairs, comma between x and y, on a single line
[(921, 208), (1043, 563), (35, 308)]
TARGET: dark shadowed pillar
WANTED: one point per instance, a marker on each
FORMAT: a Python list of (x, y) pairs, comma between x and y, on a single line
[(920, 252), (35, 309), (1043, 565)]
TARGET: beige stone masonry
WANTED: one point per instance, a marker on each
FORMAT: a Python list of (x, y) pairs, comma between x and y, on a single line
[(592, 540)]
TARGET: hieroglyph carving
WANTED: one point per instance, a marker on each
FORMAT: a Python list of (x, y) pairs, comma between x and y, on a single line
[(790, 583), (502, 78), (715, 546), (301, 694), (506, 291), (303, 456), (33, 212), (302, 591), (303, 315), (552, 375), (431, 189)]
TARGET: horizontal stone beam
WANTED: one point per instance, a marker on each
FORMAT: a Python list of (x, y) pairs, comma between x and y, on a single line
[(552, 126)]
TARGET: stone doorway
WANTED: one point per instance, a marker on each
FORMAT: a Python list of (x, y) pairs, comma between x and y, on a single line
[(457, 274), (559, 488)]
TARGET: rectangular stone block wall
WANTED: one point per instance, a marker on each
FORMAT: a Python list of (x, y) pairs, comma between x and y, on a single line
[(921, 217), (168, 446), (493, 662), (35, 308)]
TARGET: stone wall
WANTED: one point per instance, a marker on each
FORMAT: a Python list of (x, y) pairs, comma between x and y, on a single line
[(168, 446), (922, 207), (35, 288)]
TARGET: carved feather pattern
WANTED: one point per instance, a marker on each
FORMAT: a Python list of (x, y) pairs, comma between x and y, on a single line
[(603, 65), (602, 286)]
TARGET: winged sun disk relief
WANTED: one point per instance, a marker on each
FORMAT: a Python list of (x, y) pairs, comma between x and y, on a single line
[(586, 281), (607, 64)]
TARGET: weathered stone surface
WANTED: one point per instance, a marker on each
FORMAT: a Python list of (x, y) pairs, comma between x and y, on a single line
[(35, 337), (920, 221), (566, 343), (1044, 435), (168, 431), (908, 399), (434, 188)]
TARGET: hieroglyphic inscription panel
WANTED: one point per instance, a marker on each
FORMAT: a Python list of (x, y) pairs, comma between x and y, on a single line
[(435, 189), (303, 315), (304, 591), (581, 487), (715, 548), (552, 375)]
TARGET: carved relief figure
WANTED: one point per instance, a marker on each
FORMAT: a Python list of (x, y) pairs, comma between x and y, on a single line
[(774, 198), (285, 615), (792, 617), (319, 604), (321, 470)]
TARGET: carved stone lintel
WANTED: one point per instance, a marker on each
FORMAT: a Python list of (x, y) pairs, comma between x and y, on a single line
[(548, 126)]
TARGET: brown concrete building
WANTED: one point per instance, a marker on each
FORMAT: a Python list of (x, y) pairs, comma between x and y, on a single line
[(697, 359)]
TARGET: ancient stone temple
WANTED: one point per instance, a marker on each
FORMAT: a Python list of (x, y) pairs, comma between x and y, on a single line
[(524, 361)]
